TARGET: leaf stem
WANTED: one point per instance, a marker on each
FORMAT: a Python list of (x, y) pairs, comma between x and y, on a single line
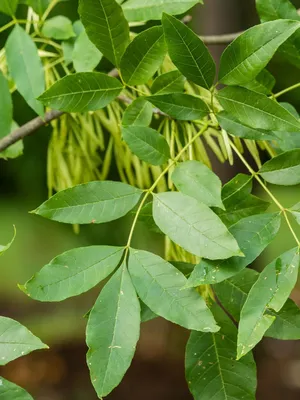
[(289, 89), (49, 9), (152, 188), (259, 180), (12, 23)]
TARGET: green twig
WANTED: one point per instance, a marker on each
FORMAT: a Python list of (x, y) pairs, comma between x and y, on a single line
[(259, 180)]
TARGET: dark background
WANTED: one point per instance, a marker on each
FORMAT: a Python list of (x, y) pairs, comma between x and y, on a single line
[(157, 371)]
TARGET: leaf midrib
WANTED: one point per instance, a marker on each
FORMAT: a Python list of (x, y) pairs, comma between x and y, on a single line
[(202, 234), (82, 92), (232, 70), (175, 299), (144, 57), (88, 203), (260, 110), (191, 54)]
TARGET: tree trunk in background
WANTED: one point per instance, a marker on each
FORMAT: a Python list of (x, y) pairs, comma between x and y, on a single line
[(219, 16)]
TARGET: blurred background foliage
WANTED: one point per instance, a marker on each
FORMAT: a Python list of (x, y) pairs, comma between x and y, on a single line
[(158, 368)]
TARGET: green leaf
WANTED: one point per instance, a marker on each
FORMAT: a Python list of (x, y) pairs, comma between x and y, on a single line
[(233, 126), (211, 369), (271, 290), (286, 269), (270, 10), (189, 53), (287, 140), (283, 169), (9, 391), (89, 203), (170, 82), (6, 107), (233, 293), (81, 92), (195, 179), (6, 247), (106, 27), (39, 6), (250, 53), (159, 285), (143, 56), (25, 67), (73, 273), (291, 109), (257, 110), (185, 268), (287, 323), (138, 113), (67, 47), (146, 313), (263, 83), (148, 144), (112, 332), (193, 226), (59, 28), (16, 341), (9, 7), (184, 107), (253, 235), (238, 201), (295, 210), (145, 10), (85, 55)]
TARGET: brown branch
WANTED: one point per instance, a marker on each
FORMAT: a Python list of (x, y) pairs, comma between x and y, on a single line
[(220, 39), (27, 129)]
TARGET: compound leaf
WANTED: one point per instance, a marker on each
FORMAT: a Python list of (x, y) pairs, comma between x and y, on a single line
[(73, 272), (188, 52), (9, 7), (89, 203), (211, 368), (59, 28), (159, 285), (9, 390), (194, 227), (143, 56), (257, 110), (195, 179), (112, 332), (138, 113), (271, 290), (253, 235), (283, 169), (181, 106), (25, 67), (170, 82), (263, 83), (249, 54), (148, 144), (238, 201), (7, 246), (16, 341), (145, 10), (106, 27), (81, 92), (85, 55), (232, 125)]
